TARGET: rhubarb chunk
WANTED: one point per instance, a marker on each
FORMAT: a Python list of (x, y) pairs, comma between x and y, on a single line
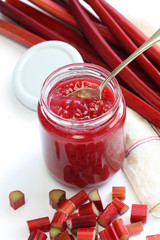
[(56, 197), (81, 221), (37, 235), (16, 199), (79, 198), (65, 236), (42, 224), (134, 228), (95, 197), (121, 206), (153, 237), (54, 233), (109, 233), (121, 229), (59, 221), (107, 215), (67, 206), (119, 192), (138, 213), (86, 233), (88, 209)]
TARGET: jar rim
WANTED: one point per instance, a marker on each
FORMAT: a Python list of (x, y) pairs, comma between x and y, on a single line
[(51, 116)]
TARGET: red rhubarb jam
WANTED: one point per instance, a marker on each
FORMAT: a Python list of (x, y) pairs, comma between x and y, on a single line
[(83, 139)]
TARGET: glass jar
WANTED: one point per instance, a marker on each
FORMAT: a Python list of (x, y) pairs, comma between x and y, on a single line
[(82, 153)]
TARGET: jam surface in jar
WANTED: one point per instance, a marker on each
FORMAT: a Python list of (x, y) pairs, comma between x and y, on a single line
[(72, 107), (83, 140)]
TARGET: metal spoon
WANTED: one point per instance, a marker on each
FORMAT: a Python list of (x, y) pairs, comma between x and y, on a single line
[(91, 92)]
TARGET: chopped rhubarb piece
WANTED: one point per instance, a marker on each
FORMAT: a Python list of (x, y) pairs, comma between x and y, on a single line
[(81, 221), (153, 237), (54, 233), (121, 229), (67, 206), (88, 209), (79, 198), (56, 197), (16, 199), (59, 221), (65, 236), (118, 192), (138, 213), (107, 215), (86, 233), (121, 206), (109, 233), (134, 228), (95, 197), (42, 224), (37, 235)]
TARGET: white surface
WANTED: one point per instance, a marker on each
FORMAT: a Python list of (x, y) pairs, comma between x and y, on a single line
[(36, 64), (22, 166)]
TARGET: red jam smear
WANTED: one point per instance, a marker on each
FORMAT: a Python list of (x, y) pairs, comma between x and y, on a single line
[(82, 157)]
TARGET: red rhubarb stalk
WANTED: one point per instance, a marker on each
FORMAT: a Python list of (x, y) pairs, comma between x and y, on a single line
[(133, 32), (79, 198), (119, 192), (28, 22), (81, 221), (19, 34), (61, 13), (109, 56), (67, 206), (107, 215), (134, 228), (138, 213), (121, 206), (40, 29), (52, 24), (88, 209), (86, 233), (42, 224), (59, 221), (56, 10), (126, 42), (16, 199), (141, 107), (37, 235), (121, 229), (95, 197), (109, 233), (56, 197)]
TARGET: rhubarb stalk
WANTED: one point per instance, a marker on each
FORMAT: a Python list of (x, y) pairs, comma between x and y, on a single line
[(19, 34), (135, 34), (109, 56), (126, 42)]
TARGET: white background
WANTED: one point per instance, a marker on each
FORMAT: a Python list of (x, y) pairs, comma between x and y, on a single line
[(21, 162)]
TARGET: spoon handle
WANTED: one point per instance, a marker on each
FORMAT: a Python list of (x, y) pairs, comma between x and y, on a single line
[(152, 40)]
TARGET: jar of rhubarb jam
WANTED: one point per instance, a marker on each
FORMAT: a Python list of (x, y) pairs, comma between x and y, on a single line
[(83, 139)]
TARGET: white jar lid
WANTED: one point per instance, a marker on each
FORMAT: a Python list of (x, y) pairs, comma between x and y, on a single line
[(36, 64)]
